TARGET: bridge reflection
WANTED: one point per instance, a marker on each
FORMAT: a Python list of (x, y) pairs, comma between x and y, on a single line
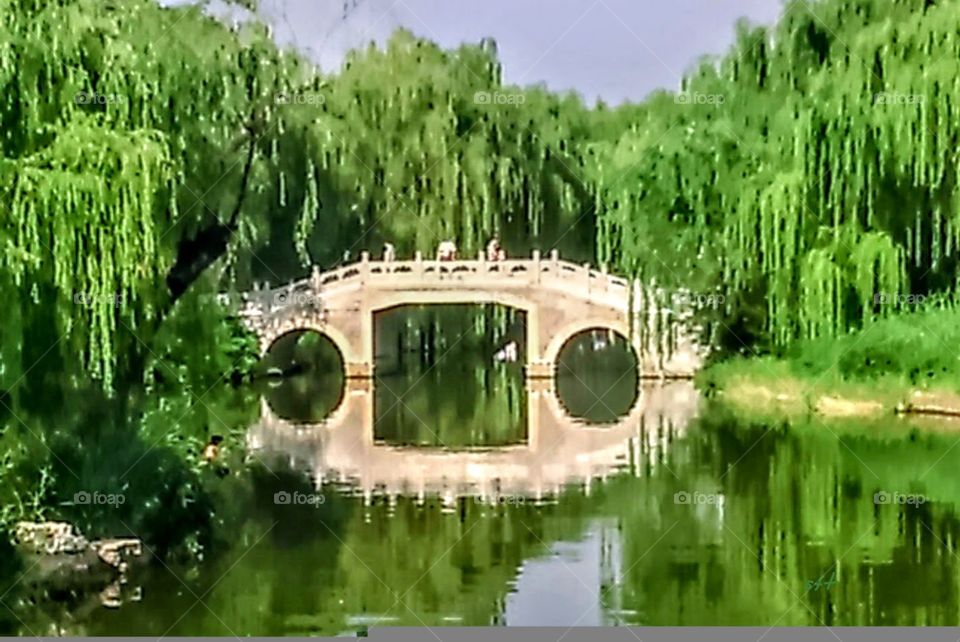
[(560, 449)]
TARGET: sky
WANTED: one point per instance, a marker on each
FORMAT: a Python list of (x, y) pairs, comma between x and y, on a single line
[(613, 49)]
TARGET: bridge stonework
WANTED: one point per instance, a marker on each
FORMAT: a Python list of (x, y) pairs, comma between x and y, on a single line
[(560, 299)]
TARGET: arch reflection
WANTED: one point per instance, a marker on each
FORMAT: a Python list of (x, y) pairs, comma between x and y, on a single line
[(560, 450)]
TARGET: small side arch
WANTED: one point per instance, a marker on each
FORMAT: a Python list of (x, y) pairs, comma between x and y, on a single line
[(552, 352), (337, 338)]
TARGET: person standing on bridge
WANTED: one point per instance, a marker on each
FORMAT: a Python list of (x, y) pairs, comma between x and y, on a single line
[(493, 249), (447, 251), (389, 252)]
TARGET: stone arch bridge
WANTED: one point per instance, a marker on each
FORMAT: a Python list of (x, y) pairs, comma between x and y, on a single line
[(560, 299)]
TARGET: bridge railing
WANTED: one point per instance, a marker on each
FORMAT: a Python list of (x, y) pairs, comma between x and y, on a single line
[(535, 270), (549, 273)]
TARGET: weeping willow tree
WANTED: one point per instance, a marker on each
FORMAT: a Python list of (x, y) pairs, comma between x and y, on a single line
[(804, 173), (130, 160), (409, 144), (130, 138)]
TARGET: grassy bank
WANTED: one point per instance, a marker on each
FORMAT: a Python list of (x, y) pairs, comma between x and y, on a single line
[(906, 363)]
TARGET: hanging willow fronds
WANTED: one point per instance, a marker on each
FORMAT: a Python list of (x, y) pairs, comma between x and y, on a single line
[(114, 150), (816, 163)]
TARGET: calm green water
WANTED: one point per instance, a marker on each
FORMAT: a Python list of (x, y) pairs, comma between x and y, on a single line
[(449, 493)]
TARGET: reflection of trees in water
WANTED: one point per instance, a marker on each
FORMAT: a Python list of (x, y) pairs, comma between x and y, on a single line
[(296, 561), (273, 563), (472, 554), (437, 383), (798, 500), (795, 507)]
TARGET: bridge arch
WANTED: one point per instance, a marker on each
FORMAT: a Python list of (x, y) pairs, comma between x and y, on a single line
[(337, 338), (566, 333), (466, 296)]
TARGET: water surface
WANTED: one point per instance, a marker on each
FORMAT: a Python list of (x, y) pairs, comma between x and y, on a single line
[(449, 491)]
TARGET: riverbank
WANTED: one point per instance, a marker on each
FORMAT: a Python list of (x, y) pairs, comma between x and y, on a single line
[(902, 365), (767, 386)]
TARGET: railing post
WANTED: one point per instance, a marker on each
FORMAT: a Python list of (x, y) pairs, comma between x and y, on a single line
[(536, 266), (418, 268), (482, 260), (555, 261), (315, 277), (364, 266), (606, 276)]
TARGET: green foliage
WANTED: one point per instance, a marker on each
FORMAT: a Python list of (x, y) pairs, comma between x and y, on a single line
[(917, 346), (402, 146), (811, 167), (420, 349), (200, 344), (108, 132), (24, 489), (130, 133), (885, 359), (803, 172)]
